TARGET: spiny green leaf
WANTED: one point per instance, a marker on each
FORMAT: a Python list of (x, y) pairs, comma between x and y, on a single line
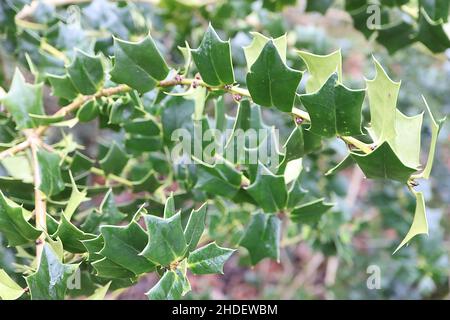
[(420, 224), (253, 50), (262, 237), (195, 227), (166, 243), (50, 281), (22, 99), (320, 68), (62, 86), (432, 33), (86, 72), (296, 194), (334, 109), (382, 93), (109, 211), (383, 163), (311, 212), (170, 287), (407, 140), (9, 289), (138, 64), (169, 208), (213, 59), (18, 167), (271, 82), (208, 259), (268, 190), (50, 172), (105, 268), (100, 292), (76, 198), (220, 179), (115, 160), (13, 225), (122, 245), (71, 236)]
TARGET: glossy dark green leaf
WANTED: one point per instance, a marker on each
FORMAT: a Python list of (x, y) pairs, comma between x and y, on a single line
[(122, 245), (22, 99), (271, 82), (71, 236), (167, 243), (396, 37), (295, 194), (105, 268), (262, 237), (334, 109), (50, 171), (311, 212), (13, 225), (86, 72), (93, 247), (294, 147), (208, 259), (213, 59), (138, 64), (115, 160), (195, 227), (432, 33), (383, 163), (268, 190), (50, 280), (436, 9)]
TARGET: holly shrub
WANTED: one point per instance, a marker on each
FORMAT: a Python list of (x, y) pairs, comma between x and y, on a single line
[(190, 170)]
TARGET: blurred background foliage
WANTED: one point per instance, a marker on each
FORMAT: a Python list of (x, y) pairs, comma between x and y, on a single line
[(330, 261)]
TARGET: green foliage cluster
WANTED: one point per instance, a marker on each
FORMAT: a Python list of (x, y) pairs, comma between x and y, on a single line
[(132, 87)]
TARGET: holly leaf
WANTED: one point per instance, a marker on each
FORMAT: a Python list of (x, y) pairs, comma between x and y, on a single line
[(76, 198), (50, 280), (169, 208), (253, 50), (432, 33), (383, 94), (138, 64), (420, 224), (88, 111), (219, 179), (436, 126), (108, 210), (296, 194), (268, 190), (86, 72), (105, 268), (129, 240), (195, 227), (13, 225), (62, 86), (171, 286), (320, 68), (9, 289), (271, 82), (22, 100), (208, 259), (50, 172), (262, 237), (334, 109), (115, 160), (406, 143), (71, 236), (167, 243), (383, 163), (213, 59), (310, 213)]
